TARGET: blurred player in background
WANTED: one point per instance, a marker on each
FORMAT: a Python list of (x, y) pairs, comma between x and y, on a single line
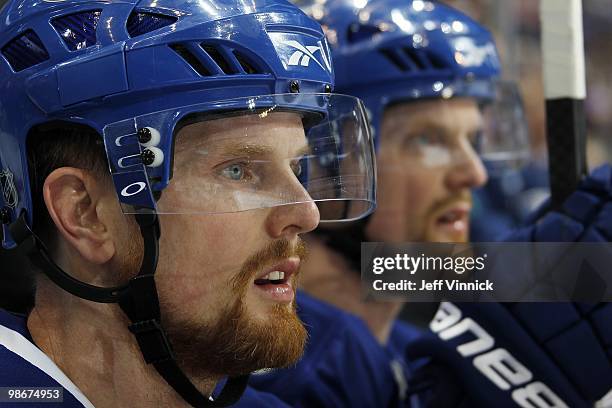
[(430, 79)]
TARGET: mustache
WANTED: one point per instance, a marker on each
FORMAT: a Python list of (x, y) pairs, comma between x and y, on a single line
[(464, 196), (276, 251)]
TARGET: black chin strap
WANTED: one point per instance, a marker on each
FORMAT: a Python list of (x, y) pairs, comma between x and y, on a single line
[(140, 302)]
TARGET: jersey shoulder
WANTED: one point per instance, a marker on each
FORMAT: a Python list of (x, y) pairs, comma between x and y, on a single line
[(402, 334), (343, 364), (326, 322), (23, 365), (259, 399)]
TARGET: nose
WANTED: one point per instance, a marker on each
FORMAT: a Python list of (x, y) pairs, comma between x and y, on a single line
[(467, 170), (293, 218), (290, 220)]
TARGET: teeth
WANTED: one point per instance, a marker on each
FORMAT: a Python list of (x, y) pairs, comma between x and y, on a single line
[(274, 275), (450, 217)]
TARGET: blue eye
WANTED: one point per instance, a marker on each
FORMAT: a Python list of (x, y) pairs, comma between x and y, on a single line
[(423, 139), (300, 169), (419, 140), (234, 171), (297, 168), (476, 140)]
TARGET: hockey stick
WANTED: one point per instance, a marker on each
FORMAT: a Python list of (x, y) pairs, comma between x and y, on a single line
[(565, 90)]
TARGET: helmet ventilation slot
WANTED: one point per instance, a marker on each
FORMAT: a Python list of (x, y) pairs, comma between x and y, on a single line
[(140, 23), (410, 60), (215, 59), (78, 31), (25, 51), (190, 59)]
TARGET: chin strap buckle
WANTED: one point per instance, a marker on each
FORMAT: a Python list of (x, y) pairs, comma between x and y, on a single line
[(142, 307), (152, 340)]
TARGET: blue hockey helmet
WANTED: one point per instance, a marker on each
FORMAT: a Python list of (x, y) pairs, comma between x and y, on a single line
[(395, 52), (133, 70), (392, 51)]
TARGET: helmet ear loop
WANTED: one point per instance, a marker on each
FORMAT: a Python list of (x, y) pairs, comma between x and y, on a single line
[(40, 256)]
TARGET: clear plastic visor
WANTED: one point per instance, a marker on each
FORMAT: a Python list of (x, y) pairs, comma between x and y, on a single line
[(253, 153), (455, 130)]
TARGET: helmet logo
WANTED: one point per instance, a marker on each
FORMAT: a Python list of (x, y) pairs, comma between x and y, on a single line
[(469, 54), (135, 189), (303, 54), (9, 191)]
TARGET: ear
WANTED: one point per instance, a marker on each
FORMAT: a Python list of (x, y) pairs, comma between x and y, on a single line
[(72, 197)]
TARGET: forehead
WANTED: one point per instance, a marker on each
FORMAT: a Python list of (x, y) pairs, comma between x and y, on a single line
[(460, 114), (278, 129)]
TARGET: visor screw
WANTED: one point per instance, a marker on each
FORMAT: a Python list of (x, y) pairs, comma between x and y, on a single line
[(148, 157), (5, 216), (294, 86), (144, 135), (328, 88)]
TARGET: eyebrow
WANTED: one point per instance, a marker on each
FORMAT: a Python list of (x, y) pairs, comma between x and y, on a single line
[(304, 151), (427, 123), (242, 149)]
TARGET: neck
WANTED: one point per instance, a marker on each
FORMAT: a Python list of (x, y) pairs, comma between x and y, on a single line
[(91, 344), (328, 276)]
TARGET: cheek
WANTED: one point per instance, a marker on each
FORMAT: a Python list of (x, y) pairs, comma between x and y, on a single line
[(388, 221), (403, 201), (419, 191), (199, 255), (392, 179)]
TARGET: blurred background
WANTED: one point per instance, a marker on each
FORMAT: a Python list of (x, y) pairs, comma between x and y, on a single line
[(509, 197), (516, 27), (503, 203)]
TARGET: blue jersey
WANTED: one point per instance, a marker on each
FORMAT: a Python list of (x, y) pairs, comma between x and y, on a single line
[(476, 354), (536, 355), (23, 365), (401, 335), (343, 364), (256, 399)]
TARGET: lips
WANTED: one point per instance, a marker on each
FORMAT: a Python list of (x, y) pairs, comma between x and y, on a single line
[(275, 283), (453, 215), (278, 273), (454, 220)]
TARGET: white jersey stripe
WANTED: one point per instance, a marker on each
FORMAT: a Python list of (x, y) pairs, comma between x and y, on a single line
[(21, 346), (605, 402)]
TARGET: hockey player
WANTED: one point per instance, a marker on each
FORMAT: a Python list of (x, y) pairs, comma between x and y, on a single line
[(159, 162), (429, 77)]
